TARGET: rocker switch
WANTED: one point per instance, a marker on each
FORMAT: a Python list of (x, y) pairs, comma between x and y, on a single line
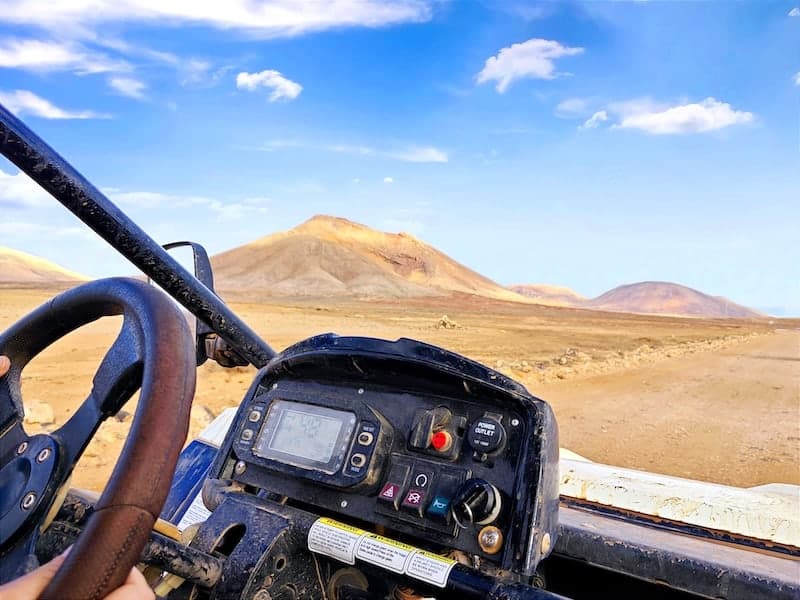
[(392, 491)]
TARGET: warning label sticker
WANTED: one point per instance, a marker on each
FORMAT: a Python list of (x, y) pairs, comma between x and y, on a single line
[(346, 543), (384, 552), (196, 513), (334, 539), (430, 567)]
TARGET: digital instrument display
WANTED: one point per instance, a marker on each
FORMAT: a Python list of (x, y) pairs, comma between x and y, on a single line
[(305, 435)]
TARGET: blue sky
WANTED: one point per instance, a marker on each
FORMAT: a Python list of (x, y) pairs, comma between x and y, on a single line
[(581, 144)]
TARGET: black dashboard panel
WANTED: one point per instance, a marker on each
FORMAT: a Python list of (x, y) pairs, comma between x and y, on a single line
[(404, 436)]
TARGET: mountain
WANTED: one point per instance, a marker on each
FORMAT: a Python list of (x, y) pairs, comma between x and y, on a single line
[(331, 256), (554, 295), (658, 297), (20, 267)]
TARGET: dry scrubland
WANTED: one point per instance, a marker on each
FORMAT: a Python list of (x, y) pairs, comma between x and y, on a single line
[(708, 399)]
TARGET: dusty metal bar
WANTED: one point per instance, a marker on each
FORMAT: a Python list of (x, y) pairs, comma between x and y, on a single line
[(47, 168)]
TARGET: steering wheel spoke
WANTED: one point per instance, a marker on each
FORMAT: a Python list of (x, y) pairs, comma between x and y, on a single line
[(120, 372), (116, 380), (74, 435)]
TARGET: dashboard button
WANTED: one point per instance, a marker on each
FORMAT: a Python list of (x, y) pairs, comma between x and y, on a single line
[(358, 460), (442, 441), (392, 491), (446, 486), (439, 509), (422, 479), (415, 501), (365, 438)]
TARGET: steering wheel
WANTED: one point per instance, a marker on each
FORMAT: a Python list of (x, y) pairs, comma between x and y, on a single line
[(154, 351)]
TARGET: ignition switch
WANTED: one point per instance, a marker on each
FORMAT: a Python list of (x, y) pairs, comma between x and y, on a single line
[(476, 501)]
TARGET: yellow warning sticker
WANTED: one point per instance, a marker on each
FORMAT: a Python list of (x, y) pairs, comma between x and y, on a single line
[(334, 539), (430, 567), (342, 526), (346, 543)]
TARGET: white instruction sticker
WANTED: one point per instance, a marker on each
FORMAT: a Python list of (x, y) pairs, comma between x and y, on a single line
[(429, 567), (334, 539), (387, 553), (196, 513), (346, 543)]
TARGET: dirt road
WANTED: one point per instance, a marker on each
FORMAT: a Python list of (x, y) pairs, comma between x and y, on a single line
[(731, 416)]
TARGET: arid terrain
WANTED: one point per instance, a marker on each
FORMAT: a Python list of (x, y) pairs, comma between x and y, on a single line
[(19, 267), (717, 400)]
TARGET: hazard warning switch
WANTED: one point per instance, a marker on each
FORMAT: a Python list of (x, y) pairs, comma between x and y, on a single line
[(392, 491)]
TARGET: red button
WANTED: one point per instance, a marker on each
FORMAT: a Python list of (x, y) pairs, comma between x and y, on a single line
[(441, 441)]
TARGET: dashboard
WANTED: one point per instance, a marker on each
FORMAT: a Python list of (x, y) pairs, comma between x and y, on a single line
[(404, 438)]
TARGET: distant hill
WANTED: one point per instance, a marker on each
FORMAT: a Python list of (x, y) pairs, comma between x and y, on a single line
[(554, 295), (331, 256), (23, 268), (658, 297)]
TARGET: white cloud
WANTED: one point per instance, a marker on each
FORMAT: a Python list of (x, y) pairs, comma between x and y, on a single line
[(279, 144), (796, 79), (191, 71), (795, 12), (388, 180), (573, 108), (37, 55), (427, 154), (698, 117), (532, 59), (267, 18), (658, 118), (592, 122), (20, 191), (414, 154), (195, 72), (26, 229), (127, 86), (88, 56), (282, 88), (124, 47), (224, 211), (350, 149), (152, 200), (24, 102)]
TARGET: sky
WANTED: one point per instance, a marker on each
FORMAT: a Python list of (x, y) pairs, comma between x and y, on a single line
[(579, 144)]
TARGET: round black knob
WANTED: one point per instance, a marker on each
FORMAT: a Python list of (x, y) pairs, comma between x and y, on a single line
[(476, 501), (486, 435)]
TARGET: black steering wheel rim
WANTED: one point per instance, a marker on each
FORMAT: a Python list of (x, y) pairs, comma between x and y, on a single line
[(154, 351)]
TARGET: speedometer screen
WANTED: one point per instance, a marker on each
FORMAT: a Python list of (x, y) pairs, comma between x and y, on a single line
[(305, 435)]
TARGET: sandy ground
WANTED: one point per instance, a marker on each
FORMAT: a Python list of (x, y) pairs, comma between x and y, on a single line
[(731, 416), (717, 400)]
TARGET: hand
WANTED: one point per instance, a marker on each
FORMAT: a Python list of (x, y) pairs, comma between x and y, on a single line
[(28, 587), (5, 365)]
